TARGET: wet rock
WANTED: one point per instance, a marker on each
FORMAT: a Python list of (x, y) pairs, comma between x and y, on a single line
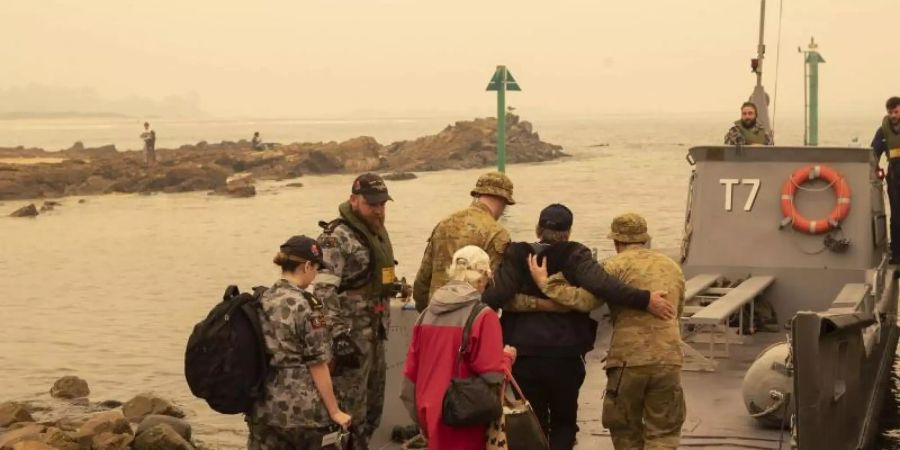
[(82, 200), (25, 211), (110, 404), (161, 437), (106, 422), (31, 432), (239, 187), (70, 423), (33, 445), (17, 425), (147, 403), (111, 441), (399, 176), (58, 439), (12, 412), (182, 427), (70, 386)]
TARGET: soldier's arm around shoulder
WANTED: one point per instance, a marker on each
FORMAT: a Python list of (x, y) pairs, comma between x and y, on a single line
[(561, 292), (585, 272)]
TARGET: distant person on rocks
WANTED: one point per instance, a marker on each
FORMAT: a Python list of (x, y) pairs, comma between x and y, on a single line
[(256, 142), (299, 405), (149, 138), (748, 131)]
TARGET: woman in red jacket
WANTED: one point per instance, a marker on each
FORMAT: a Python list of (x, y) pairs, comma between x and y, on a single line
[(435, 342)]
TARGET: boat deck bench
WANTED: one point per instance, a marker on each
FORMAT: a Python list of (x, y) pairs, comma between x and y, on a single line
[(725, 302)]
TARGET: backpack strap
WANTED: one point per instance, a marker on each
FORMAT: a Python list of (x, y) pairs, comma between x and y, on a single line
[(467, 331)]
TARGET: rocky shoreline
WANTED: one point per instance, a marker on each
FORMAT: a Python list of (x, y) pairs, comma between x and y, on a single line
[(68, 420), (213, 167)]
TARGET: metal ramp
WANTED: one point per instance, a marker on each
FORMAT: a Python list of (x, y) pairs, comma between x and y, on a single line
[(707, 314)]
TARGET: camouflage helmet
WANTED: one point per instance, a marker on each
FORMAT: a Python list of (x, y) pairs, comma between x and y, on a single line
[(496, 184), (629, 228)]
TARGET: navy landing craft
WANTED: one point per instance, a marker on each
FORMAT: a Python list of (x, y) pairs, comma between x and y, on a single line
[(790, 321)]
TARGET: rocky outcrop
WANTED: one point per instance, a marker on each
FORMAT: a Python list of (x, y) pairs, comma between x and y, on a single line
[(206, 167), (70, 387), (470, 144)]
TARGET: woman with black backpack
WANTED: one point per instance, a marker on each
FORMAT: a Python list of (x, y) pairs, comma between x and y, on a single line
[(298, 408)]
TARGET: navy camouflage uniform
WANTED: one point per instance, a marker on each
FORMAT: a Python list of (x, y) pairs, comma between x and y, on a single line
[(292, 414), (360, 392)]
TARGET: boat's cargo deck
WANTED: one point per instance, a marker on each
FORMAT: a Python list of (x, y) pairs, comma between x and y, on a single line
[(716, 417)]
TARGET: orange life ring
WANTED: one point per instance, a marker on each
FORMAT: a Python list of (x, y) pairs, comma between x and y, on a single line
[(841, 208)]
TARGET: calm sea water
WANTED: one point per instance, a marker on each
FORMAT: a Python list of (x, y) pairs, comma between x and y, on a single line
[(110, 289)]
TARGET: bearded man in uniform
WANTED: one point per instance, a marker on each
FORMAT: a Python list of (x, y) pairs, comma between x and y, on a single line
[(356, 287)]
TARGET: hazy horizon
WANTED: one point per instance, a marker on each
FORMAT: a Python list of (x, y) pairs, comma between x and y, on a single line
[(400, 58)]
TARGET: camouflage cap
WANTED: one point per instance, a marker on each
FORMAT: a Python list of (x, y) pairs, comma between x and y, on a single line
[(629, 228), (496, 184)]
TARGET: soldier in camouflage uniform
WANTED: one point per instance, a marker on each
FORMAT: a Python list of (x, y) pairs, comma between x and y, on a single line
[(356, 289), (748, 131), (476, 225), (299, 407), (644, 406)]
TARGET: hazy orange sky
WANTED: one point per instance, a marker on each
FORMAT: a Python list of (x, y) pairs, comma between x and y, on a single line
[(316, 58)]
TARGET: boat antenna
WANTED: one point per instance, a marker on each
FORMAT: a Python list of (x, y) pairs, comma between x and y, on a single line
[(777, 64), (759, 97)]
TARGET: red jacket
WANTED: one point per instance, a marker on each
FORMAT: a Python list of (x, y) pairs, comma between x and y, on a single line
[(431, 357)]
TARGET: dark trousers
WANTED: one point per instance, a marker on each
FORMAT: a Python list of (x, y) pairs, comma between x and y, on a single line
[(893, 191), (551, 384)]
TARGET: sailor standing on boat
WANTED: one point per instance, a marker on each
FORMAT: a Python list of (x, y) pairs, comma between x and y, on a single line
[(887, 141), (748, 131), (644, 405), (356, 286)]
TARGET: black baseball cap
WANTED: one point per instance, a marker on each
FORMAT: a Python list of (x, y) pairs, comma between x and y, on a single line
[(556, 217), (304, 248), (372, 187)]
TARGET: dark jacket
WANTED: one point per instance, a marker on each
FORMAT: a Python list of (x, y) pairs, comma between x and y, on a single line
[(879, 144), (554, 334)]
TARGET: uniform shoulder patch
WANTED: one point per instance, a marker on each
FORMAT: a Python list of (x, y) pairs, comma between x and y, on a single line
[(314, 302)]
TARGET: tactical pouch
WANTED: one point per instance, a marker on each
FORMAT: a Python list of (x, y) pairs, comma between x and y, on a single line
[(347, 355)]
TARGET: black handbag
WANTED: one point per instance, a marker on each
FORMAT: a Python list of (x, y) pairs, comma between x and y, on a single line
[(470, 401)]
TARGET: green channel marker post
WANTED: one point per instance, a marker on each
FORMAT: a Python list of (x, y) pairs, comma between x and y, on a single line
[(812, 60), (501, 82)]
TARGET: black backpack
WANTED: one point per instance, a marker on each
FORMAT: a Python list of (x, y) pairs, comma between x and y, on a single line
[(226, 362)]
